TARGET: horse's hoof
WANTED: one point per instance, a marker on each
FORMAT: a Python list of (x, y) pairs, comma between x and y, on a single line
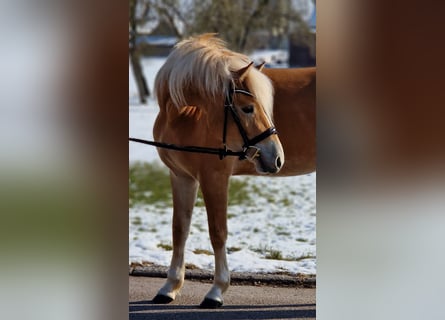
[(210, 304), (161, 299)]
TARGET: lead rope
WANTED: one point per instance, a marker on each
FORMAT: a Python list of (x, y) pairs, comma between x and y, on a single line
[(249, 150)]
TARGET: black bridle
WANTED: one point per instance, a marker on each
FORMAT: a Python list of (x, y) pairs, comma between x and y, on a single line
[(249, 150)]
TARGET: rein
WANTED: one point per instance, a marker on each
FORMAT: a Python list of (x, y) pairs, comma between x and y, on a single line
[(218, 151), (249, 151)]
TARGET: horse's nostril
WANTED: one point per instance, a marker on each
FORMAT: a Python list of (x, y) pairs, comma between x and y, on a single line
[(278, 162)]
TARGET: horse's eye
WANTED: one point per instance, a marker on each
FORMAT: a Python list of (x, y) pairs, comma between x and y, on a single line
[(247, 109)]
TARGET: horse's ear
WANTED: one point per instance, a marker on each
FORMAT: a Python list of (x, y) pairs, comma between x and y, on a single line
[(260, 66), (242, 73)]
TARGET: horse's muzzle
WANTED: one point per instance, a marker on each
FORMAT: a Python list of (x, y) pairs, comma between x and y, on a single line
[(269, 158)]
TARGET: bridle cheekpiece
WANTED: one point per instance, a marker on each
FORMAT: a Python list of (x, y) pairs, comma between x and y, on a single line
[(250, 151)]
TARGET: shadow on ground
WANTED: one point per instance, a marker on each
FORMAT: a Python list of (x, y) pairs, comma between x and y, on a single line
[(148, 310)]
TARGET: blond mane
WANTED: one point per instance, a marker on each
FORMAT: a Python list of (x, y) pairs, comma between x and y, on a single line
[(205, 64)]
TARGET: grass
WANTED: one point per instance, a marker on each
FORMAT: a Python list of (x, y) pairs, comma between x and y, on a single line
[(306, 256), (273, 254), (266, 251), (286, 202), (165, 246), (150, 185), (281, 231), (203, 251), (230, 215), (277, 255), (271, 196), (233, 249), (137, 221), (239, 192)]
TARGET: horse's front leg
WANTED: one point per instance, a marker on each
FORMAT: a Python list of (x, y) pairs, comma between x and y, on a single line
[(214, 189), (184, 195)]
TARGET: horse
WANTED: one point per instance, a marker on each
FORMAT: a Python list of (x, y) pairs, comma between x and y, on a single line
[(210, 96)]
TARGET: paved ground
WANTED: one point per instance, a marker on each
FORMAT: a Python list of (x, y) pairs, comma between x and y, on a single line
[(240, 302)]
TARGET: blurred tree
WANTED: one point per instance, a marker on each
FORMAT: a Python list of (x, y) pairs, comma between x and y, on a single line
[(178, 15), (134, 21), (243, 23), (302, 38)]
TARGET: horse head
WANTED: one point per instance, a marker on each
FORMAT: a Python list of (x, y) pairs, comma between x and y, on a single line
[(251, 102)]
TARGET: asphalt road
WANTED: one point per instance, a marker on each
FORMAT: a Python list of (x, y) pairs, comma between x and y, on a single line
[(240, 302)]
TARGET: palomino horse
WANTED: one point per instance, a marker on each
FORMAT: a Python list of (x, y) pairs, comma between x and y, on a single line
[(212, 97)]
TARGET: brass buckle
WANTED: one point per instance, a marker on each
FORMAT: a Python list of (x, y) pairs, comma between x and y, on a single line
[(252, 152)]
